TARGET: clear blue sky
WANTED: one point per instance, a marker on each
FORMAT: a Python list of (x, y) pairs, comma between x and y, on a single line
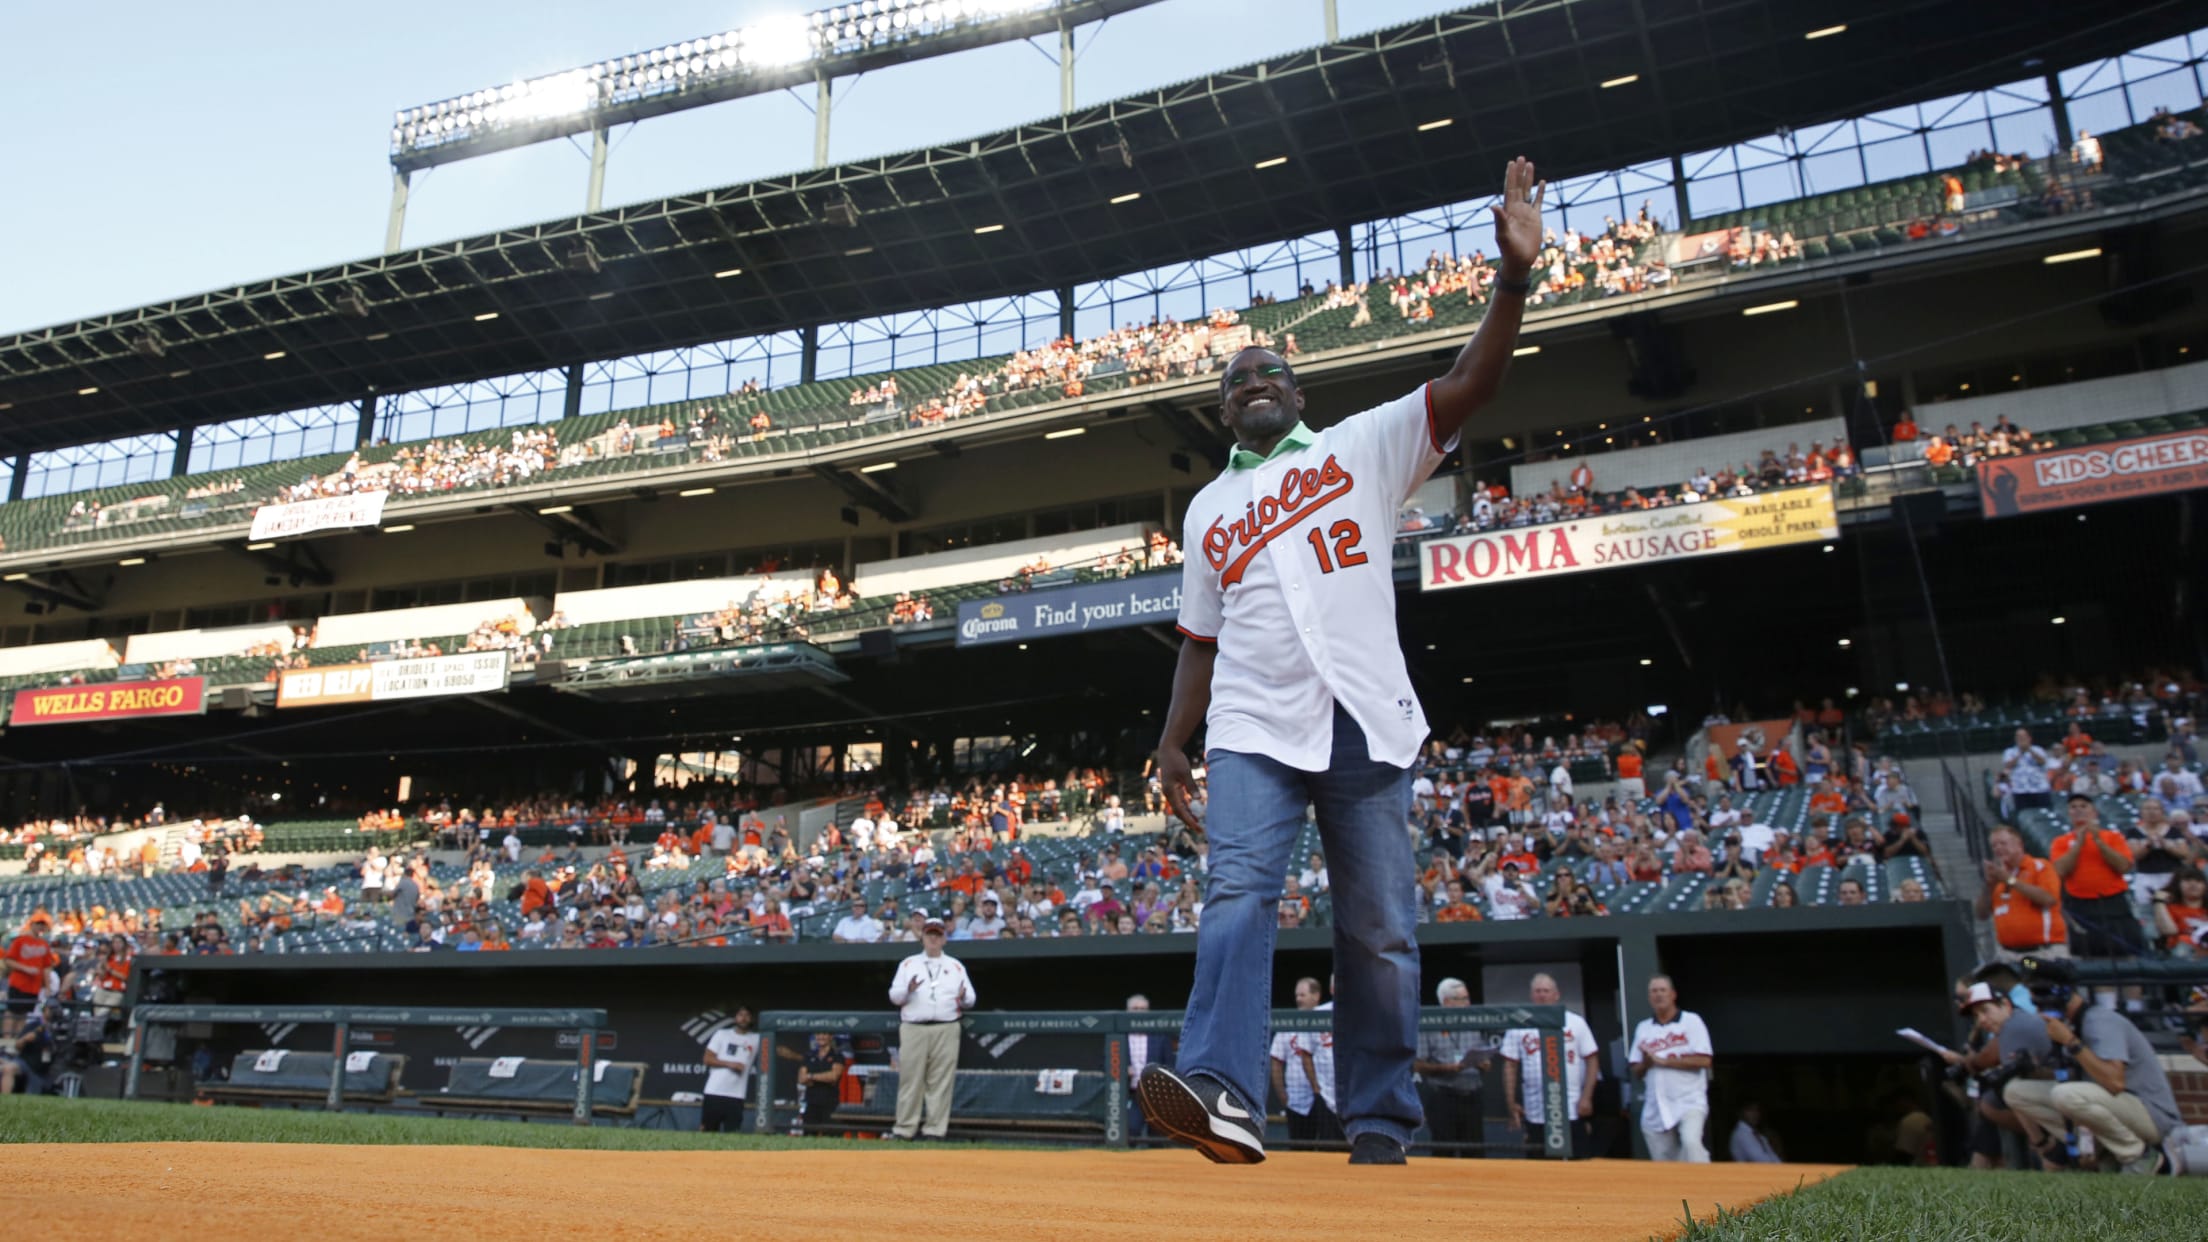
[(161, 150)]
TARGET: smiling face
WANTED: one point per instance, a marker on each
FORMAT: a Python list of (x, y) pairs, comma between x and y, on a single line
[(1258, 397)]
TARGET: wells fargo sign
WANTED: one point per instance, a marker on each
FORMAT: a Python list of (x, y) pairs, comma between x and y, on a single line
[(182, 696), (1709, 528), (2118, 470)]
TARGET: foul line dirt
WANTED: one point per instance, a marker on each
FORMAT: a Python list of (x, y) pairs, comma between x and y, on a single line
[(142, 1191)]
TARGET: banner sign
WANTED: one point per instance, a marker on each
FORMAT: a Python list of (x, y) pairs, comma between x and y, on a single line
[(2117, 470), (1711, 527), (327, 513), (122, 700), (1152, 599), (476, 672)]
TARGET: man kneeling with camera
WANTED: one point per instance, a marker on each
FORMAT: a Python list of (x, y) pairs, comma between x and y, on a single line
[(2114, 1087)]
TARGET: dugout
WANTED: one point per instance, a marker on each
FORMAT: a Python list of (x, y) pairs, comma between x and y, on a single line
[(1802, 1003)]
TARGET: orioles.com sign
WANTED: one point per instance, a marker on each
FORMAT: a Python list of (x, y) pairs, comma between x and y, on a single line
[(1711, 527), (182, 696)]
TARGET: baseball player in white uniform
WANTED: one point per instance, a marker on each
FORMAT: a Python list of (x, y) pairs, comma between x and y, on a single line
[(1522, 1075), (1288, 613), (1671, 1056)]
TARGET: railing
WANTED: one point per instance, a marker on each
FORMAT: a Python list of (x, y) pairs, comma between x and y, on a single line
[(1970, 814)]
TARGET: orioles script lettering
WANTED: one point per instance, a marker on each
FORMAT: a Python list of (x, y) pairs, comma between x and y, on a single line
[(1229, 545)]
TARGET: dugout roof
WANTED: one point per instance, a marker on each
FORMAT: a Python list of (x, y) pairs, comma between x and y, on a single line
[(900, 232)]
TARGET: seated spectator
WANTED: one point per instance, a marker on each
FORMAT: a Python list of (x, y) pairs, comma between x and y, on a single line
[(1905, 431)]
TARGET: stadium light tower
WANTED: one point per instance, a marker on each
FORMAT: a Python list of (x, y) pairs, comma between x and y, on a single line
[(771, 54)]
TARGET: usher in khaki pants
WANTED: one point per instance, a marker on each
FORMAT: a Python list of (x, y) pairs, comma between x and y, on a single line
[(927, 1061)]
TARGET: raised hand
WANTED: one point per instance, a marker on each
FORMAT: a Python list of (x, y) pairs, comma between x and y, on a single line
[(1518, 218)]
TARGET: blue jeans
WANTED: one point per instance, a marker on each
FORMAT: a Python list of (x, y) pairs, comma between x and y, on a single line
[(1363, 809)]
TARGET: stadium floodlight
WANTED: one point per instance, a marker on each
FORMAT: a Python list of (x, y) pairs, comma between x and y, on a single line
[(1126, 198), (778, 51), (1525, 351), (1627, 80), (2072, 256), (1769, 307), (1826, 32)]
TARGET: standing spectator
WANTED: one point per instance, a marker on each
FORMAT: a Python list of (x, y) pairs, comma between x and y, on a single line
[(1291, 1085), (2096, 905), (1671, 1054), (1751, 1144), (1315, 1051), (1448, 1066), (932, 992), (406, 897), (30, 955), (1523, 1083), (1631, 787), (2024, 765), (729, 1057), (1142, 1048), (2022, 897), (374, 870), (820, 1081)]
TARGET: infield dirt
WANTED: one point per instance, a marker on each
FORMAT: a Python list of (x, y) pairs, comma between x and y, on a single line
[(142, 1191)]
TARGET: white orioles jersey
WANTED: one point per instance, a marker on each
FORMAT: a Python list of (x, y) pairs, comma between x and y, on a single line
[(1289, 572)]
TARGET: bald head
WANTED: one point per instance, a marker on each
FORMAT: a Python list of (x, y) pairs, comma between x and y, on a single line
[(1545, 991)]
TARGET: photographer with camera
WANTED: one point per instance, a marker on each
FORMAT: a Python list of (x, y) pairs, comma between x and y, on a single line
[(2117, 1092), (2016, 1047)]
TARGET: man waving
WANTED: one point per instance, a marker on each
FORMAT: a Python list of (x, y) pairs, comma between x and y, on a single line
[(1289, 660)]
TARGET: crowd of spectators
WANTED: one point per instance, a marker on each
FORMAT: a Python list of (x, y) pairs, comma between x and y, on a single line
[(437, 466), (774, 611), (1493, 505)]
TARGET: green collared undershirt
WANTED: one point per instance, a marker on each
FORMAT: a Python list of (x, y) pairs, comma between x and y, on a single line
[(1298, 437)]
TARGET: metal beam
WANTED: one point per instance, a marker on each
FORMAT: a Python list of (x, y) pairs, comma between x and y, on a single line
[(396, 225), (575, 525), (869, 491), (1065, 66), (297, 562), (823, 104), (595, 196), (58, 588)]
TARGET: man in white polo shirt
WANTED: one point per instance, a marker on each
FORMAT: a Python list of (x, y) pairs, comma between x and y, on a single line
[(1671, 1056), (931, 993), (1290, 662)]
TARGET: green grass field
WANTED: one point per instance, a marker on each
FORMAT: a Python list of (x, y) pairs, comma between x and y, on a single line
[(1957, 1205), (49, 1119)]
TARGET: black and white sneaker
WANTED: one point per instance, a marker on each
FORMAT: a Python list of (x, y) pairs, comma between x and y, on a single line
[(1200, 1112)]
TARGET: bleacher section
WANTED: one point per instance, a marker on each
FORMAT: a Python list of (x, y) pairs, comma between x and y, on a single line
[(1993, 728), (1057, 859)]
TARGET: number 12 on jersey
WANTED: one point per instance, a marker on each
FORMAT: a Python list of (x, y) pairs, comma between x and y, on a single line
[(1345, 535)]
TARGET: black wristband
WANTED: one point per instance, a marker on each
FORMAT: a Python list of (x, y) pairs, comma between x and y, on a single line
[(1519, 287)]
